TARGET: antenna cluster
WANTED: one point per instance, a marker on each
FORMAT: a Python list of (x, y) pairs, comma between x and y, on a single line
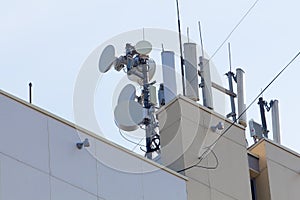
[(131, 110), (258, 131)]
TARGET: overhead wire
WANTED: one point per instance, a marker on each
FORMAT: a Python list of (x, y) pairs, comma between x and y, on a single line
[(228, 36), (210, 147), (236, 26)]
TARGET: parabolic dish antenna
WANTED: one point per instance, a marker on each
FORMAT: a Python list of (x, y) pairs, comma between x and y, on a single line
[(107, 58), (128, 93), (139, 80), (143, 47), (128, 115)]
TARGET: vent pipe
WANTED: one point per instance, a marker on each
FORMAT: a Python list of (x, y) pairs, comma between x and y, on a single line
[(275, 121)]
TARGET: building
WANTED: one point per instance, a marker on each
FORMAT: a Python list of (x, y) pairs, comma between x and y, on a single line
[(279, 171), (39, 159)]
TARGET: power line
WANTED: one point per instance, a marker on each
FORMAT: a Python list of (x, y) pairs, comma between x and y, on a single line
[(228, 36), (236, 26), (210, 147)]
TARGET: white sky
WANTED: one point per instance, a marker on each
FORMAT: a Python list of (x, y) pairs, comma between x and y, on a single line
[(46, 42)]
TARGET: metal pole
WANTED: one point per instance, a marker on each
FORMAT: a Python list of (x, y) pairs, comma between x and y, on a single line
[(30, 92), (180, 47), (147, 105), (261, 104), (230, 76)]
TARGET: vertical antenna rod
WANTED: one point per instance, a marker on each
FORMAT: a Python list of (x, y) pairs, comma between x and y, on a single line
[(180, 47), (30, 92), (229, 54), (200, 33)]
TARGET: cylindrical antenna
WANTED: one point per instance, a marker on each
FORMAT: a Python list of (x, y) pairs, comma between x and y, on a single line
[(162, 47), (229, 54), (30, 92), (275, 122), (169, 75), (191, 71), (240, 81), (206, 83), (201, 41), (180, 48)]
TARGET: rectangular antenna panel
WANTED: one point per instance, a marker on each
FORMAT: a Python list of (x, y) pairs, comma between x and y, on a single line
[(276, 122), (255, 129), (152, 92)]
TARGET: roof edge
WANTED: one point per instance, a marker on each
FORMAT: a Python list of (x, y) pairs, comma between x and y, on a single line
[(95, 136)]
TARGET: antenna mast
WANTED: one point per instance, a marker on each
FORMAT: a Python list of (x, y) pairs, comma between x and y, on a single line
[(180, 47), (230, 76), (129, 114)]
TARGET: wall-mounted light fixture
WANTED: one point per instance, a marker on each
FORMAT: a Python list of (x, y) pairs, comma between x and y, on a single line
[(219, 126), (85, 143)]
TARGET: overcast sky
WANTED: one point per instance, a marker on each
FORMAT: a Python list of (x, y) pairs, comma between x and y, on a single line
[(46, 42)]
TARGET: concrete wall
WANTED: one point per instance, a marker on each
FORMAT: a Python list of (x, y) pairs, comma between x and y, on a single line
[(279, 176), (39, 160), (185, 129)]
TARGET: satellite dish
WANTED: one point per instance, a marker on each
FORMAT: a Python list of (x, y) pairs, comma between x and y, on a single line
[(127, 93), (143, 47), (128, 115), (139, 80), (107, 58)]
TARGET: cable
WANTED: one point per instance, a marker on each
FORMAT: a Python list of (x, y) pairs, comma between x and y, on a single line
[(139, 144), (210, 147), (130, 140), (236, 26), (214, 167), (201, 166)]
